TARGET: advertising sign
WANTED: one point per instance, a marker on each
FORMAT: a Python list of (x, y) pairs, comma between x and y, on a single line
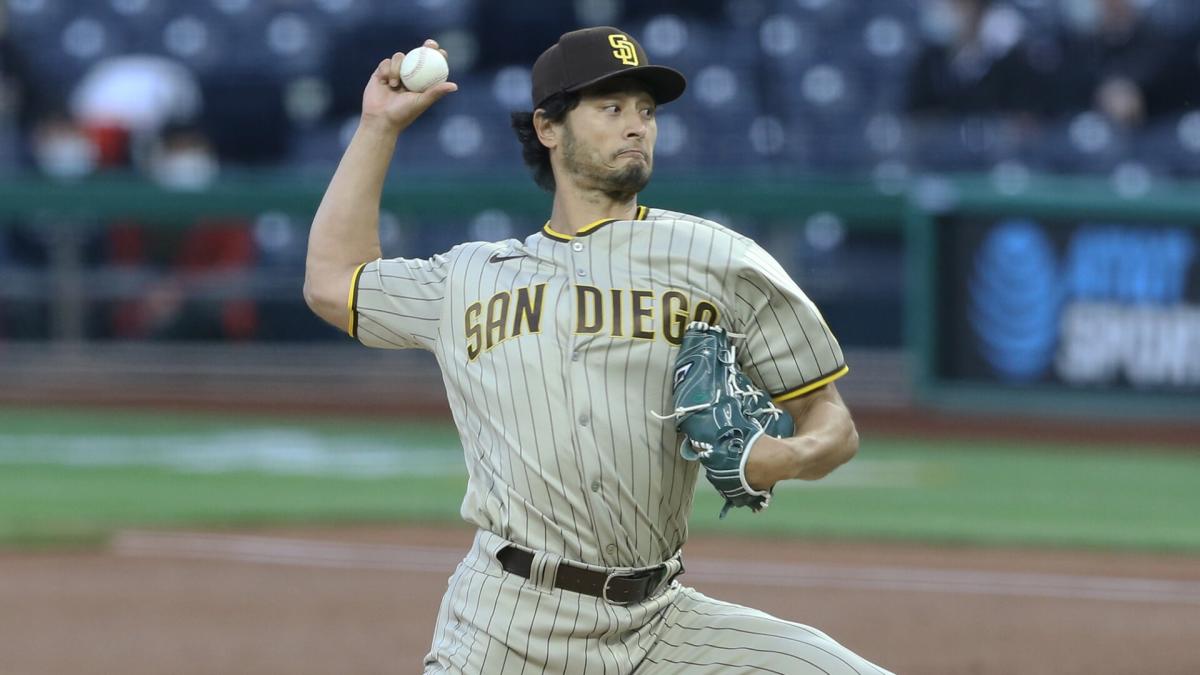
[(1095, 304)]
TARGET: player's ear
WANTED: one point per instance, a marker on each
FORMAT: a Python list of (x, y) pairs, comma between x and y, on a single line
[(547, 131)]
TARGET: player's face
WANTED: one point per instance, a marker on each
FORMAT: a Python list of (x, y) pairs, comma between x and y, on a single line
[(608, 140)]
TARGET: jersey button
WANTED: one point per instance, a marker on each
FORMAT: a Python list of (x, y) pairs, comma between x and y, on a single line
[(577, 246), (581, 272), (611, 548), (595, 486), (575, 356), (584, 419)]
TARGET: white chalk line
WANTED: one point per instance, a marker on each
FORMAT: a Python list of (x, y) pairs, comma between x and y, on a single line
[(324, 554), (299, 452), (267, 451)]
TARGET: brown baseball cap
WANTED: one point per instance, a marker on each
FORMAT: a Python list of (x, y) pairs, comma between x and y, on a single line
[(585, 57)]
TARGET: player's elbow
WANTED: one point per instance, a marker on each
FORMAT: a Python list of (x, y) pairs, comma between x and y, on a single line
[(324, 300), (312, 295), (849, 445), (845, 445)]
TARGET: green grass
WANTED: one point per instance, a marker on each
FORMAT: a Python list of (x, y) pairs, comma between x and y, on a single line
[(60, 484), (1000, 493), (47, 503)]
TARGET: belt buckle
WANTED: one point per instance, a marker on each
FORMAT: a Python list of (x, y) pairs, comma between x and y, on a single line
[(664, 581), (633, 574), (629, 574)]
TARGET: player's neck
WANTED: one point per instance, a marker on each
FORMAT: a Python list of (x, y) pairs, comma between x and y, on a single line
[(575, 209)]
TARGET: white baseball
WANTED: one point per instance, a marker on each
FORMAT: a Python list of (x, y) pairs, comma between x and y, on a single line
[(422, 68)]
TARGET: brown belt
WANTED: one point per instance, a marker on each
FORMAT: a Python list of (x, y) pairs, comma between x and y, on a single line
[(619, 588)]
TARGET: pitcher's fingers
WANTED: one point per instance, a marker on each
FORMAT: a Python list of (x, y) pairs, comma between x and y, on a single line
[(433, 44), (394, 69), (435, 93), (381, 72)]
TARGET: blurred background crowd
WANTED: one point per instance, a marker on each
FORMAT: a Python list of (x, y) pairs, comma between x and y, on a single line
[(182, 94), (177, 89)]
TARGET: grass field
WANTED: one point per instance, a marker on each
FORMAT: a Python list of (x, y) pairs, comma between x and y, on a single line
[(74, 477)]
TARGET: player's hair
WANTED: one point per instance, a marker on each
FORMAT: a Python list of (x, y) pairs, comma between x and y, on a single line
[(536, 155)]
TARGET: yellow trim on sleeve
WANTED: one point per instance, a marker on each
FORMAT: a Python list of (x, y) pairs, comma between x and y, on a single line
[(811, 386), (352, 302)]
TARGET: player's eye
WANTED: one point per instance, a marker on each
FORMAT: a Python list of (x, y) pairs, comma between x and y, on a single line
[(648, 113), (612, 107)]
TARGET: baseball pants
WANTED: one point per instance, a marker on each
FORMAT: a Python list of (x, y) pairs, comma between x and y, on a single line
[(491, 621)]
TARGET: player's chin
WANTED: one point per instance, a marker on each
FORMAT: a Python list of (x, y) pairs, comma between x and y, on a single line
[(630, 178)]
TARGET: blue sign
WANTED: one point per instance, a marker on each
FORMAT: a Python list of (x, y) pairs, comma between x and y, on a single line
[(1015, 298)]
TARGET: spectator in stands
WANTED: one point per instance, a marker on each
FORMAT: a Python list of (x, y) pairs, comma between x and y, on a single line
[(975, 62), (182, 158), (62, 149), (1116, 63), (123, 102)]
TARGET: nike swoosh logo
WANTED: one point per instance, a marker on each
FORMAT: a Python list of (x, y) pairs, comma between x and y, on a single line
[(496, 257)]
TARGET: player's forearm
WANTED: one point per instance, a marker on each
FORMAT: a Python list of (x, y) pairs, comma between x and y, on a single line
[(345, 230), (825, 439)]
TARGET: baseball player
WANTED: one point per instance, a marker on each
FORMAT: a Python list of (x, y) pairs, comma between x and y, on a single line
[(555, 349)]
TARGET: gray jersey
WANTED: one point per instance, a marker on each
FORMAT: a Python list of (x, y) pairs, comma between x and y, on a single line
[(555, 349)]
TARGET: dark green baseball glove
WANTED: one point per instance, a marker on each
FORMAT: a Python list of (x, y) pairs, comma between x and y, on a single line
[(721, 414)]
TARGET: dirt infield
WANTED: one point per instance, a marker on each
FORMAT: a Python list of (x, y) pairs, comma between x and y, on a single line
[(363, 601)]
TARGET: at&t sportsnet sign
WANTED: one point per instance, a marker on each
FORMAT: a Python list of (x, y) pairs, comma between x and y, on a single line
[(1095, 304)]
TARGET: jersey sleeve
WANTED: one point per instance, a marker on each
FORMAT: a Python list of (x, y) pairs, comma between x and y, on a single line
[(788, 349), (397, 303)]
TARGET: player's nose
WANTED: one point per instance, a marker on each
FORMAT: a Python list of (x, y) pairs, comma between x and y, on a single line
[(636, 128), (634, 122)]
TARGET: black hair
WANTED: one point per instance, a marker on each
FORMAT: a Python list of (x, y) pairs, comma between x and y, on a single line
[(536, 155)]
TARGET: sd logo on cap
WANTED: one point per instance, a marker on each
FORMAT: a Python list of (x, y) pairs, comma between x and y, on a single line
[(585, 57)]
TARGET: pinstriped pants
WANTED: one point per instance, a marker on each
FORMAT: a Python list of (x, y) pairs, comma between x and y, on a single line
[(492, 622)]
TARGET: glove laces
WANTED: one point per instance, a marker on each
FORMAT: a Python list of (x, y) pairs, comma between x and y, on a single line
[(731, 383)]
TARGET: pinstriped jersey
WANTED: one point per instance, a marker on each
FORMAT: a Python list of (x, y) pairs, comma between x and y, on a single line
[(555, 349)]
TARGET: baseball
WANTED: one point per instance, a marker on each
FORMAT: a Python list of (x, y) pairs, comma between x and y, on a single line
[(422, 68)]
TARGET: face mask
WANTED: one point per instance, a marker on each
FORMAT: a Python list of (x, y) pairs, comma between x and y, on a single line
[(187, 170), (65, 156)]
